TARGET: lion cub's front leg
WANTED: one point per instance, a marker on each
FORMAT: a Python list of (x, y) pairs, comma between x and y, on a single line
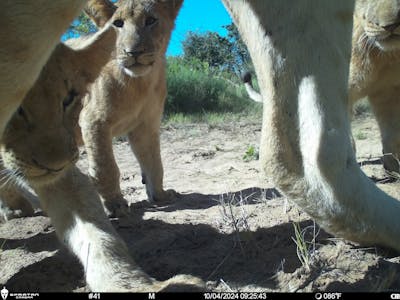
[(145, 143), (80, 222), (386, 107), (103, 169)]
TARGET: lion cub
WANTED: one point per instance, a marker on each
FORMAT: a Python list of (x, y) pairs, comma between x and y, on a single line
[(128, 97), (38, 143), (375, 70)]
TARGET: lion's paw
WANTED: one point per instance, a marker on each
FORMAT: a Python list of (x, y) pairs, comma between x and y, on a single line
[(167, 196), (7, 213), (116, 207), (182, 283)]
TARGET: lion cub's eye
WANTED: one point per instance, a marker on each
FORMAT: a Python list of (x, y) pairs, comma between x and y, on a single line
[(150, 21), (118, 23), (70, 98), (22, 114), (21, 111)]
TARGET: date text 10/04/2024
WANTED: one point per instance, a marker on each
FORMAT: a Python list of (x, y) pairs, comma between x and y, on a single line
[(235, 296)]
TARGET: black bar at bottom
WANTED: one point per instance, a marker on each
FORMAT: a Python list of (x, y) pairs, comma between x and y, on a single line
[(205, 296)]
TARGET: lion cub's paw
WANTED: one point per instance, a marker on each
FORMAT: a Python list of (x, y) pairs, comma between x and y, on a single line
[(116, 207), (15, 203), (7, 213), (182, 283)]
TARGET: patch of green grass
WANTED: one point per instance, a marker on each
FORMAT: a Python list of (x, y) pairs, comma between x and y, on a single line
[(251, 154), (179, 118), (211, 118), (361, 136), (305, 249)]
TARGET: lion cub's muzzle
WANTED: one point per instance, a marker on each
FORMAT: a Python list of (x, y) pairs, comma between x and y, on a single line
[(46, 172), (137, 63), (38, 171), (386, 37), (55, 167)]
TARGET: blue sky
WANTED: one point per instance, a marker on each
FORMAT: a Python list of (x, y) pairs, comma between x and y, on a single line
[(198, 16)]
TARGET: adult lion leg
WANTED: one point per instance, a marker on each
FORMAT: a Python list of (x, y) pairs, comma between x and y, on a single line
[(145, 143), (78, 216), (305, 146), (103, 168), (386, 108)]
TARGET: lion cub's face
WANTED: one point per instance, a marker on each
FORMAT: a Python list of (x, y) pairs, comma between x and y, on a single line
[(380, 20), (144, 31), (38, 143)]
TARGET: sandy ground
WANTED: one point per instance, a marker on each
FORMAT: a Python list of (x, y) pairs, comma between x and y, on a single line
[(230, 227)]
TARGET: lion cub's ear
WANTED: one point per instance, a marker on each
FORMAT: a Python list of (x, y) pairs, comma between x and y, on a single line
[(100, 11), (93, 53), (173, 6)]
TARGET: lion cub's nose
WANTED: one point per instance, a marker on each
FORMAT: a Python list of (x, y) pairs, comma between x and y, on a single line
[(54, 166), (391, 27), (133, 53), (54, 161)]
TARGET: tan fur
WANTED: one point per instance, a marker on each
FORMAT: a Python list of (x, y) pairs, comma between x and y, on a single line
[(302, 61), (15, 201), (100, 11), (38, 143), (128, 98), (39, 147), (80, 221), (375, 70), (303, 74), (29, 32)]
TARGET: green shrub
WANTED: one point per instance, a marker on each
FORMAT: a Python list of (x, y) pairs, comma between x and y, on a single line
[(194, 87)]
